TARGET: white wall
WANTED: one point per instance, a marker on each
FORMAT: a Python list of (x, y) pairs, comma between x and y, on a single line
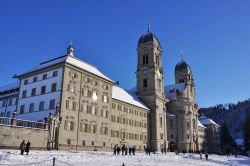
[(39, 115)]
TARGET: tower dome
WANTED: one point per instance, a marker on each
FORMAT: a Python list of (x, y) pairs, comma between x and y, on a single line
[(182, 66), (148, 37)]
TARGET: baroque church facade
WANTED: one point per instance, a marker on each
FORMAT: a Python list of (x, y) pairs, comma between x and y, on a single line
[(89, 111)]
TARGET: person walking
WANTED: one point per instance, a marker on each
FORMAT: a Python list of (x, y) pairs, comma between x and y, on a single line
[(118, 150), (206, 155), (22, 147), (114, 150), (200, 155), (27, 148)]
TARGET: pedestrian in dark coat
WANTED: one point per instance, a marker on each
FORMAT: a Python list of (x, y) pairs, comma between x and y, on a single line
[(114, 150), (206, 155), (22, 147), (118, 150), (133, 150), (27, 148), (123, 149), (126, 150), (129, 150), (161, 150)]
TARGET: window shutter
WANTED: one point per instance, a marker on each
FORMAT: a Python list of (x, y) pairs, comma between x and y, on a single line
[(72, 125), (107, 99), (74, 105), (67, 104), (65, 125)]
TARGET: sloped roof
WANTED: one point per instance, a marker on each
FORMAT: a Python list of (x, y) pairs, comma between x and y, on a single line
[(73, 61), (127, 97), (207, 121), (170, 90), (199, 124), (8, 90)]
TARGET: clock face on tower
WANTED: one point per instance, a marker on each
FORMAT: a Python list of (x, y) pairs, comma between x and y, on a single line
[(145, 71)]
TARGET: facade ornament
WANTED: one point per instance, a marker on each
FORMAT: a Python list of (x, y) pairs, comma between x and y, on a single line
[(70, 50)]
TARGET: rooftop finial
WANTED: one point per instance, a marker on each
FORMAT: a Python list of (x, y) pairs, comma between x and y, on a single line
[(148, 25), (70, 49), (181, 55)]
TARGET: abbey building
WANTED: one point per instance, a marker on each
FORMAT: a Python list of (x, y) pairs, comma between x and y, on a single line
[(90, 112)]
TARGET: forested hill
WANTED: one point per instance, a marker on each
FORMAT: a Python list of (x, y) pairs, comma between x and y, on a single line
[(231, 114)]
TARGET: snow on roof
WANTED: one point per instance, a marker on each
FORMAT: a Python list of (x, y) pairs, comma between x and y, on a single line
[(9, 87), (170, 114), (9, 90), (73, 61), (207, 121), (170, 90), (122, 95), (199, 124), (85, 66)]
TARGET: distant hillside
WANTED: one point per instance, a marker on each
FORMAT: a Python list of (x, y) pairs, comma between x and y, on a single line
[(231, 114)]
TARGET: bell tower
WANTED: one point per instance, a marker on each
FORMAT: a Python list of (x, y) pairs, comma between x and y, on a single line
[(150, 87)]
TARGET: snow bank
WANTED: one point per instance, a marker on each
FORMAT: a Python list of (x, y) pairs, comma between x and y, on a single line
[(44, 158)]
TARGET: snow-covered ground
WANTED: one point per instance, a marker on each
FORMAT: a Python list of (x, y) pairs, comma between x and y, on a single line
[(63, 158)]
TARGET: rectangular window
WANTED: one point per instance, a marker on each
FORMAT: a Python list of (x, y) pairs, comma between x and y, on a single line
[(31, 109), (68, 141), (8, 114), (161, 136), (103, 144), (44, 76), (4, 103), (53, 87), (52, 104), (43, 90), (26, 82), (33, 92), (85, 92), (145, 83), (83, 143), (55, 73), (161, 122), (24, 94), (34, 79), (22, 109), (171, 123), (10, 102), (41, 106), (105, 98), (93, 143)]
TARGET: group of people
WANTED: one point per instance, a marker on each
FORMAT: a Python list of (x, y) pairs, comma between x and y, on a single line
[(25, 147), (206, 156), (147, 150), (124, 149)]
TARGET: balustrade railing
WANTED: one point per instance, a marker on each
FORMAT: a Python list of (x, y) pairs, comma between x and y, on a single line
[(22, 123)]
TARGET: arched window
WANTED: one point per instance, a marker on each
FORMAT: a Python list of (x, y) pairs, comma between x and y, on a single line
[(145, 83), (145, 59)]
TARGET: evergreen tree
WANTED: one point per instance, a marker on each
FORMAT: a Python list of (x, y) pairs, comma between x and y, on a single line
[(246, 133), (227, 141)]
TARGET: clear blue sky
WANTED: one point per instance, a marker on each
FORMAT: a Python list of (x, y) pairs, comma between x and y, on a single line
[(214, 35)]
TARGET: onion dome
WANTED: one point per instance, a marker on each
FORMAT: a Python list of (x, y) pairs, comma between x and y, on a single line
[(148, 37), (182, 66)]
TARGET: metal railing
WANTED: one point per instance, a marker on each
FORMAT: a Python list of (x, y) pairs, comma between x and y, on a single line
[(22, 123)]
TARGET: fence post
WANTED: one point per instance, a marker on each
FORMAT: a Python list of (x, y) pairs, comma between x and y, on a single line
[(54, 161)]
